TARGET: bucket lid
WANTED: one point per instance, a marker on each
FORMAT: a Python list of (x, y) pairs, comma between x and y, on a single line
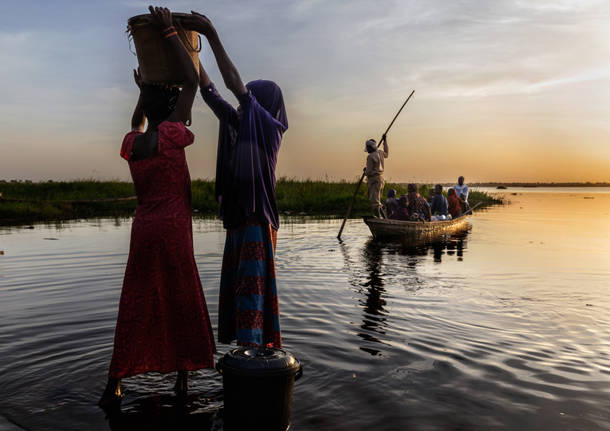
[(254, 360)]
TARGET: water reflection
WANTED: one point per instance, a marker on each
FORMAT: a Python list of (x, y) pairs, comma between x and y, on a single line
[(451, 344), (63, 225), (453, 245), (164, 412), (368, 275), (373, 302)]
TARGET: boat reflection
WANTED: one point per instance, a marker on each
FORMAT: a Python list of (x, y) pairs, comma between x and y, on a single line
[(454, 245), (450, 245), (369, 275)]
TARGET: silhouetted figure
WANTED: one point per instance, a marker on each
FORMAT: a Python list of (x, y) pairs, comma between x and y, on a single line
[(417, 205), (461, 189), (163, 323), (391, 203), (249, 140), (374, 173), (454, 204), (439, 205), (402, 211)]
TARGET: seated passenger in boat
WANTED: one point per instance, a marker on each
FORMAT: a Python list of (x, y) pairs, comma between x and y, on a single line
[(417, 205), (391, 203), (401, 212), (461, 189), (439, 205), (454, 203), (464, 205)]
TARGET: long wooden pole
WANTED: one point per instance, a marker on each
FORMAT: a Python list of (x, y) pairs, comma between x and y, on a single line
[(351, 204), (472, 208)]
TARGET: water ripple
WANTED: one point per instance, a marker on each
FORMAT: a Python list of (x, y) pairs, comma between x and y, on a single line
[(463, 334)]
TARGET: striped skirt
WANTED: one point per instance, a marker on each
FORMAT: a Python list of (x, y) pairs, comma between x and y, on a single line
[(248, 306)]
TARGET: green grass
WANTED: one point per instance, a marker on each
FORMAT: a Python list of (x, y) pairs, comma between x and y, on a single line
[(320, 197), (24, 202)]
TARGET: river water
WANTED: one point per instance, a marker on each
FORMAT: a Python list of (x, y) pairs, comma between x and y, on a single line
[(506, 326)]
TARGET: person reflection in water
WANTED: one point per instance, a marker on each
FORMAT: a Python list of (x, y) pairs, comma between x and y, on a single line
[(374, 320), (248, 144), (163, 323)]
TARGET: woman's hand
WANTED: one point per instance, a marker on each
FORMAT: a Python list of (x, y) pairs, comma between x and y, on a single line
[(199, 23), (137, 78), (230, 75), (161, 17)]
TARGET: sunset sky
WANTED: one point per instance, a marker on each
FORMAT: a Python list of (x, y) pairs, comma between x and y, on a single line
[(506, 90)]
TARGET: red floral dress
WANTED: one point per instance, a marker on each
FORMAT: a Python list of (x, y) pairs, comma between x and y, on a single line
[(163, 323)]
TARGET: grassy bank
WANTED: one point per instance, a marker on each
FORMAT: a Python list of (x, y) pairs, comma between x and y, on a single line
[(23, 202)]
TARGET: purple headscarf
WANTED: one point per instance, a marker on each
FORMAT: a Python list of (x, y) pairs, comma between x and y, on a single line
[(269, 95), (248, 144)]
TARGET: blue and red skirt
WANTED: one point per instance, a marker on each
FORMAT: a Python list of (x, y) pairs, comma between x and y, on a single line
[(248, 306)]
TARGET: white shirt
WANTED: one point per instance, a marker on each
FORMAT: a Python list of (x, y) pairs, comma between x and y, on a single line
[(461, 190)]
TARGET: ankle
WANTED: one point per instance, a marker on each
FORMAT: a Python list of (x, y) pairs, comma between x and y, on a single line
[(113, 387)]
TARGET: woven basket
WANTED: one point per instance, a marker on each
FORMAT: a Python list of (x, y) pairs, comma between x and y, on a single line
[(158, 65)]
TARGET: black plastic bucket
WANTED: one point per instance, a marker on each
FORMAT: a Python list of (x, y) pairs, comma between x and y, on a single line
[(258, 385)]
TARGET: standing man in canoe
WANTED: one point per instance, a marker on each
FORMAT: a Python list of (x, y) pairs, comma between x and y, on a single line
[(374, 173)]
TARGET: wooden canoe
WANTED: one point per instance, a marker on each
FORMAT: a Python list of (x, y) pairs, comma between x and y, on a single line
[(414, 231)]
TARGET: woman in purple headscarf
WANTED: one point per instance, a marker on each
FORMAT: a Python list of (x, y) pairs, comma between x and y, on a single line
[(248, 143)]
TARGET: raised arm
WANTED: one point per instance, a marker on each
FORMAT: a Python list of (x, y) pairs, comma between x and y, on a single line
[(138, 119), (163, 18), (204, 78), (385, 146), (221, 108), (230, 75)]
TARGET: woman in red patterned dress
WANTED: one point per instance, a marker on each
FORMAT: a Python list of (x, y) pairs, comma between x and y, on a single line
[(163, 323)]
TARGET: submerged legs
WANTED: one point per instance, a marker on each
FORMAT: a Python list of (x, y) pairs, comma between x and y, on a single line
[(112, 394), (181, 386)]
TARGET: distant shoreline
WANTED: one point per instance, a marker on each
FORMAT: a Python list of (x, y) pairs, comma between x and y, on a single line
[(27, 202), (309, 180), (539, 184)]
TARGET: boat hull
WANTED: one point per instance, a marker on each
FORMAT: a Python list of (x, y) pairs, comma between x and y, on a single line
[(412, 231)]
